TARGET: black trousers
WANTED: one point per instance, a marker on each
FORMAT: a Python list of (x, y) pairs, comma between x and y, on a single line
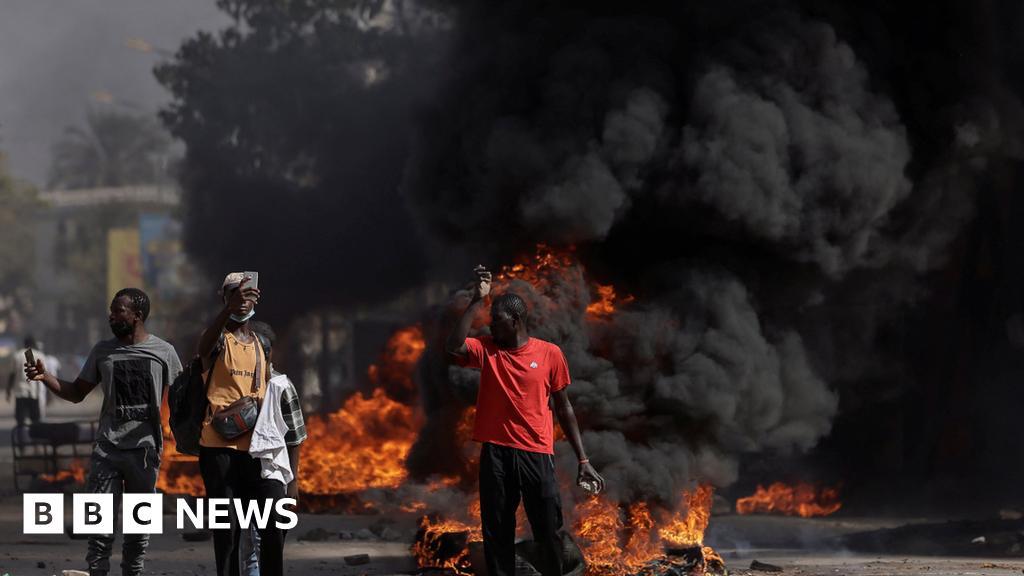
[(505, 475), (230, 473), (26, 409)]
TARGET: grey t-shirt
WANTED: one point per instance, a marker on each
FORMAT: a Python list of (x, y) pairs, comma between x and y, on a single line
[(133, 378)]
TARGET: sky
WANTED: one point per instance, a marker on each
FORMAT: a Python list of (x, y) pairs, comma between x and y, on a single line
[(55, 53)]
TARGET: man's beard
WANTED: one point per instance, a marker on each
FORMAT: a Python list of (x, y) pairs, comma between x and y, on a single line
[(122, 329)]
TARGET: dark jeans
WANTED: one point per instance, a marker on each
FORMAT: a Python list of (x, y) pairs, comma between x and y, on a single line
[(505, 474), (230, 473), (115, 471), (26, 409)]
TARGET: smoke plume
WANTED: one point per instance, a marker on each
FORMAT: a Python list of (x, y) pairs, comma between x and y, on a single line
[(741, 170)]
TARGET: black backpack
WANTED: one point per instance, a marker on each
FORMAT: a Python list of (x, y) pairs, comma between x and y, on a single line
[(187, 401), (187, 404)]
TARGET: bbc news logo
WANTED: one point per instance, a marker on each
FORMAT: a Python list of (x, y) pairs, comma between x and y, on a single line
[(144, 513)]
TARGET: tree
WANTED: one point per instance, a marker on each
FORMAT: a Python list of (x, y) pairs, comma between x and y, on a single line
[(113, 149), (17, 258), (297, 121)]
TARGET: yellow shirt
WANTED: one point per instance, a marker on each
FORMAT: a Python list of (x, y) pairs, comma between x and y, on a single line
[(232, 379)]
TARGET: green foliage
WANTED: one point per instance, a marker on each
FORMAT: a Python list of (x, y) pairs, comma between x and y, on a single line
[(113, 149), (298, 119)]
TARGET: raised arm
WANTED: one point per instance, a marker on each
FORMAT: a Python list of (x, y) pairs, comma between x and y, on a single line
[(567, 420), (236, 304), (71, 391), (481, 287)]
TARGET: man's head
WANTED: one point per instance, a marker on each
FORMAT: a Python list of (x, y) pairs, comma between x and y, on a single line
[(129, 307), (30, 341), (508, 320)]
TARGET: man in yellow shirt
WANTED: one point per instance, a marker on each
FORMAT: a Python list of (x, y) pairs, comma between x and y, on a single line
[(233, 352)]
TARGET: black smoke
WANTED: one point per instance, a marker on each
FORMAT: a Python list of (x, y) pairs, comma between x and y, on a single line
[(779, 184)]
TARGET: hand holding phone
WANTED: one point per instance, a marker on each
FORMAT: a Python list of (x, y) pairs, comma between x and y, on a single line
[(33, 370)]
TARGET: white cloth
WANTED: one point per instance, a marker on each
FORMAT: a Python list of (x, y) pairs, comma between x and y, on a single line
[(267, 442)]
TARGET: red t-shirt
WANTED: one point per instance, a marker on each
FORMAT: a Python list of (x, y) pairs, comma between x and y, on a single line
[(515, 384)]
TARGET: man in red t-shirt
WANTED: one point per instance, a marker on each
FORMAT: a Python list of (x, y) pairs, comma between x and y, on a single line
[(518, 375)]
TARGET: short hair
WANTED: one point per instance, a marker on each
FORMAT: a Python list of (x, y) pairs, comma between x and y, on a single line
[(140, 301), (511, 304), (30, 341), (264, 329)]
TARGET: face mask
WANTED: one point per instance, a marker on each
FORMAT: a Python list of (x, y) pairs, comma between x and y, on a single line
[(241, 319), (122, 329)]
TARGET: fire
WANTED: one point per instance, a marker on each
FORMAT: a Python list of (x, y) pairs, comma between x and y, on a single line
[(75, 472), (803, 500), (604, 307), (399, 355), (687, 529), (363, 445), (444, 543), (545, 270), (538, 269), (616, 540)]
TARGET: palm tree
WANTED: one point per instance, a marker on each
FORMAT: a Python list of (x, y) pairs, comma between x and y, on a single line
[(113, 149)]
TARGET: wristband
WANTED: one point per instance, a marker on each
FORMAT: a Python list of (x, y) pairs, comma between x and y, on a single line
[(587, 461)]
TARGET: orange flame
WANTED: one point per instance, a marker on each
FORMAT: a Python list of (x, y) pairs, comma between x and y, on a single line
[(604, 307), (545, 270), (74, 472), (429, 544), (597, 527), (614, 541), (687, 528), (363, 445), (399, 355), (803, 500)]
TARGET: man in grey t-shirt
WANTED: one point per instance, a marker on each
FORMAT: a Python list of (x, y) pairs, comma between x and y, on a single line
[(133, 368)]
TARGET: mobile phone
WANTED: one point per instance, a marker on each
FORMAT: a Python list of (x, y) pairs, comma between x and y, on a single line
[(30, 357), (255, 282)]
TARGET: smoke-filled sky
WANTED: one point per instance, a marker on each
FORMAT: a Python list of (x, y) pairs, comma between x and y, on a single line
[(54, 54), (752, 171)]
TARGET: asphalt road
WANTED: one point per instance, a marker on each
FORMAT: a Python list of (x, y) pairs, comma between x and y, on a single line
[(795, 545)]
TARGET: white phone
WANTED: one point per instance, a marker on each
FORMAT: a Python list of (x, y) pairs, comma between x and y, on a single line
[(255, 282)]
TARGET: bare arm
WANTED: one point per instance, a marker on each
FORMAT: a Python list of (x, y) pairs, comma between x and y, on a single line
[(456, 343), (209, 338), (567, 420), (71, 391)]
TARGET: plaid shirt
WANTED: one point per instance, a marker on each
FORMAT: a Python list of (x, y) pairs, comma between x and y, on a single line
[(291, 410)]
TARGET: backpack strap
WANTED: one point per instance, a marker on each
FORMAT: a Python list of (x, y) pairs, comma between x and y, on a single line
[(256, 372)]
